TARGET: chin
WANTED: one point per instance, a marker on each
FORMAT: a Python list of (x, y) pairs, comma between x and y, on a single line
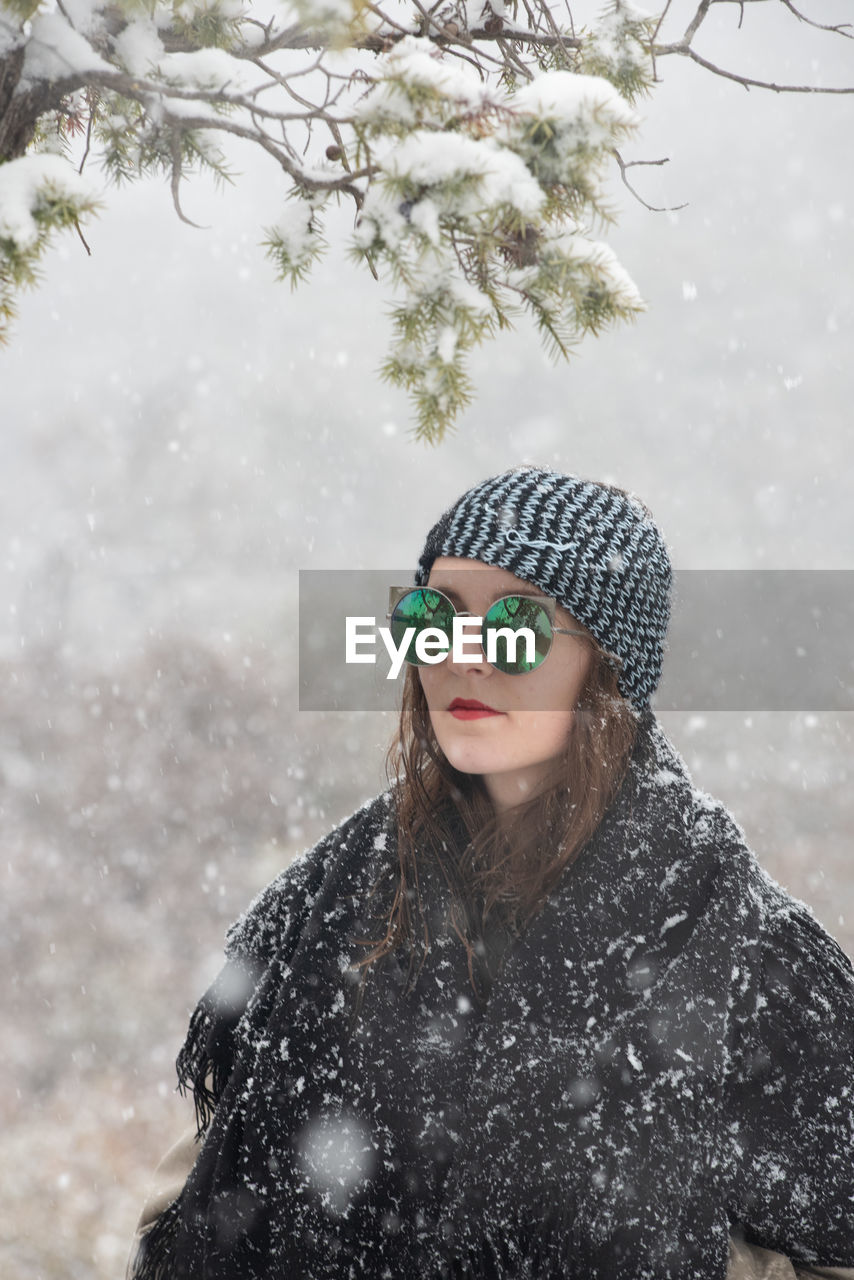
[(470, 758)]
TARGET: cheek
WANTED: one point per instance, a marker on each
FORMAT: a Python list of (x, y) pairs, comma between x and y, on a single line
[(428, 679), (568, 683), (552, 691), (547, 732)]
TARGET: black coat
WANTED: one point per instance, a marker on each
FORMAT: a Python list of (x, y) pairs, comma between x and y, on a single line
[(665, 1058)]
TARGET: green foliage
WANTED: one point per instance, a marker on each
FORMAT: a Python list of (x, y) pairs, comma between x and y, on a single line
[(618, 50), (334, 24), (17, 272), (21, 9), (134, 145), (476, 168), (295, 244), (135, 8), (479, 214), (205, 26), (434, 331), (53, 208)]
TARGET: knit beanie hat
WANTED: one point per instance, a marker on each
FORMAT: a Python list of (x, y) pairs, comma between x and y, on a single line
[(594, 549)]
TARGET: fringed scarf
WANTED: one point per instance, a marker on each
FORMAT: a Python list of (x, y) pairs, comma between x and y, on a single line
[(666, 1057)]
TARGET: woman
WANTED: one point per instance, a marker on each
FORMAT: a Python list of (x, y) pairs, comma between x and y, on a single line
[(536, 1010)]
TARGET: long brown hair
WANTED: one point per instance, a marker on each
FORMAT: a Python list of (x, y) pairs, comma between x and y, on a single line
[(499, 870)]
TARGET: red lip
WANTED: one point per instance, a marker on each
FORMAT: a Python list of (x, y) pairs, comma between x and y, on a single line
[(471, 709)]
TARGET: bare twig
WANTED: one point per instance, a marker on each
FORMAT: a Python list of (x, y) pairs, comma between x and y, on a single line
[(661, 18), (303, 179), (632, 164), (92, 101), (141, 88), (655, 35), (839, 28), (684, 48), (294, 73), (556, 32), (512, 56), (396, 26), (569, 15), (176, 181), (82, 237), (749, 83), (532, 17)]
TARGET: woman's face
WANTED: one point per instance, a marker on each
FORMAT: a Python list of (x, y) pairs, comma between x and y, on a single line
[(531, 715)]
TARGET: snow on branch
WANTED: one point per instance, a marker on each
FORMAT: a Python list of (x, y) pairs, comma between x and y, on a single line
[(38, 195), (470, 136)]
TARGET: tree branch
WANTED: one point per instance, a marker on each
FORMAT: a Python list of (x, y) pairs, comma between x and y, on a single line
[(747, 81), (685, 49), (176, 182), (302, 179), (282, 82), (839, 28), (632, 164), (698, 18)]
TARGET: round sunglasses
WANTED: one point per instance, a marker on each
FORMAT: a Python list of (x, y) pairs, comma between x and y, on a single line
[(425, 608)]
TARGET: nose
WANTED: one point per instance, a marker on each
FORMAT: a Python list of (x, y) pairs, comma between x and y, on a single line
[(473, 661)]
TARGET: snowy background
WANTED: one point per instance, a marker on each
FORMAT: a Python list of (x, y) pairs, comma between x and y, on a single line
[(181, 435)]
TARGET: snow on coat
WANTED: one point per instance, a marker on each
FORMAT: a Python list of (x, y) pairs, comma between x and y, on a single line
[(665, 1057)]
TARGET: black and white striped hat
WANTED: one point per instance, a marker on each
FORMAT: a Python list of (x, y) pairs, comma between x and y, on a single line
[(593, 548)]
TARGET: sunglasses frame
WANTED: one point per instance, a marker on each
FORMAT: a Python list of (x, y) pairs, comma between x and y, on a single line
[(547, 603)]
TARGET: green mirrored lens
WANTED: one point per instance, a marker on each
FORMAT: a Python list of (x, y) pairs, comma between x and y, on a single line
[(512, 613), (421, 608)]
